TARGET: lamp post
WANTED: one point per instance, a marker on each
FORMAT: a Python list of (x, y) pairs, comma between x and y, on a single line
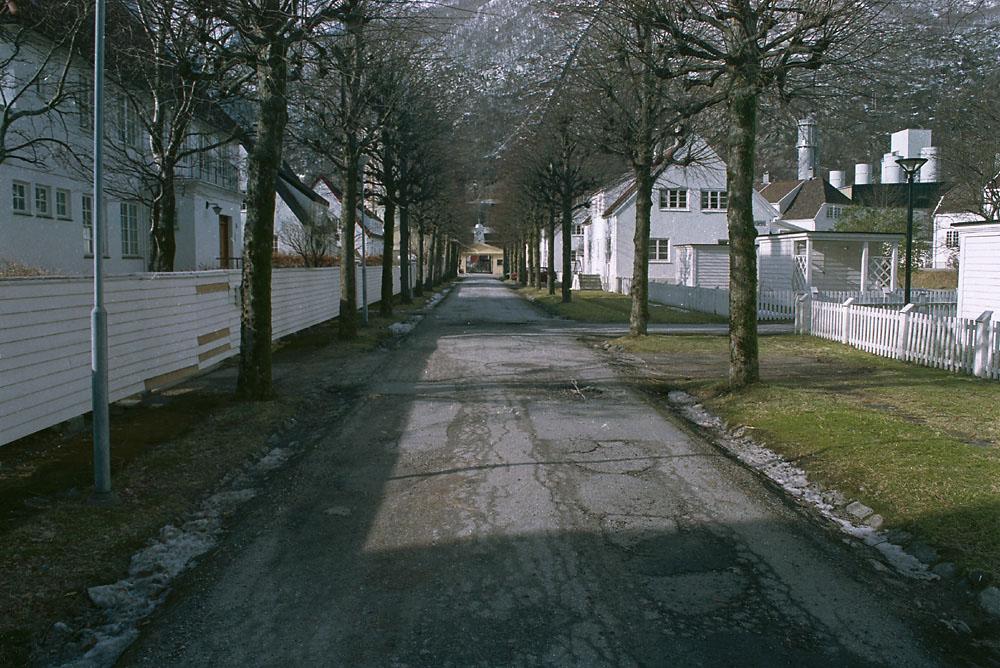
[(99, 315), (910, 167)]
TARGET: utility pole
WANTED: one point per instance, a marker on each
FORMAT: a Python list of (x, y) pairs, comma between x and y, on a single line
[(99, 315)]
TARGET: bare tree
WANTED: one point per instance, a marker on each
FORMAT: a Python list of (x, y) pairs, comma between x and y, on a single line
[(746, 49), (313, 241), (39, 47)]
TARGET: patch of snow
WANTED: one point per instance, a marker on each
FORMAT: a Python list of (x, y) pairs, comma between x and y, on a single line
[(401, 328), (273, 459), (795, 481)]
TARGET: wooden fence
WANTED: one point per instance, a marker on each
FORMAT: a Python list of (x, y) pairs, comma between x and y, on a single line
[(771, 304), (161, 328), (931, 339)]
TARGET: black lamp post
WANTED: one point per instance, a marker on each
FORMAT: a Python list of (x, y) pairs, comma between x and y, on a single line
[(910, 167)]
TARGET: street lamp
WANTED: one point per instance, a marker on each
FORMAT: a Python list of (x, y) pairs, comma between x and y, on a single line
[(910, 167)]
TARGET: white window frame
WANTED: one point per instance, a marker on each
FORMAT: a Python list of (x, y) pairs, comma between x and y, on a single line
[(659, 250), (87, 215), (129, 132), (674, 199), (24, 197), (46, 210), (834, 211), (720, 197), (951, 239), (129, 216), (578, 230), (66, 204), (84, 103)]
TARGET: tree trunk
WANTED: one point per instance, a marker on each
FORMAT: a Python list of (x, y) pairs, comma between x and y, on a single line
[(551, 251), (254, 379), (418, 285), (163, 219), (638, 320), (431, 260), (744, 366), (348, 316), (522, 263), (405, 292), (533, 259), (567, 246), (388, 238)]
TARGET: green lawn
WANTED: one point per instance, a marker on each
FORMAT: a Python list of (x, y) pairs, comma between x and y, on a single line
[(608, 307), (920, 446)]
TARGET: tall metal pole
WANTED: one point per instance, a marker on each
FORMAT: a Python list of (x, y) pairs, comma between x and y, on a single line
[(99, 316), (364, 243), (909, 235)]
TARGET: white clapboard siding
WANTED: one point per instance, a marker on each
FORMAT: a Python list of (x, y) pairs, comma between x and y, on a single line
[(930, 339), (161, 328)]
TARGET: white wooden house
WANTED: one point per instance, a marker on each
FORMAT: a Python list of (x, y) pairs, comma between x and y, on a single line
[(978, 269), (372, 225), (46, 200), (689, 207), (806, 204)]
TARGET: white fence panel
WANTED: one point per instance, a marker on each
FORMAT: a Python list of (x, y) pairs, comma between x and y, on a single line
[(931, 339), (161, 328)]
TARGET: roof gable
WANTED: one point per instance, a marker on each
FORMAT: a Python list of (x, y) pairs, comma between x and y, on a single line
[(813, 194)]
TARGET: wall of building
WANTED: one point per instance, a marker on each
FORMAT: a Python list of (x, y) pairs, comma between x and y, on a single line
[(979, 273)]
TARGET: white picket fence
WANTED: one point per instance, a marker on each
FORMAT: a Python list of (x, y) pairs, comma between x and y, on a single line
[(161, 328), (771, 304), (946, 342)]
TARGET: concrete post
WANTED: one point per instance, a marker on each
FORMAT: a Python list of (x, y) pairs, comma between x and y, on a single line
[(845, 333), (803, 314), (980, 366), (903, 335)]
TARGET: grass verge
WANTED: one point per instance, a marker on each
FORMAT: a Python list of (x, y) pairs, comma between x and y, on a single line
[(921, 446), (608, 307), (168, 453)]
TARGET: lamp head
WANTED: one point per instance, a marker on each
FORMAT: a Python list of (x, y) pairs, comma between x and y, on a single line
[(911, 166)]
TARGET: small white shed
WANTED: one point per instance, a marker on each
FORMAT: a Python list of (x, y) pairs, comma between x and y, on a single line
[(832, 261), (703, 265), (978, 269)]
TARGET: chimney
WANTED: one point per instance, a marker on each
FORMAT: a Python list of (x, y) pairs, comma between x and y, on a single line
[(862, 174), (808, 147), (766, 178), (931, 171), (837, 178), (891, 172)]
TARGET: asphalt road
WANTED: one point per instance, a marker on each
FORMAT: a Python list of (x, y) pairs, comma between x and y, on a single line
[(499, 497)]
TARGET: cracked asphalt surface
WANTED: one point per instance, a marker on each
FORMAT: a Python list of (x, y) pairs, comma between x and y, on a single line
[(501, 497)]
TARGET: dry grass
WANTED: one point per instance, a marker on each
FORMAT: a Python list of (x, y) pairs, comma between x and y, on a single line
[(609, 307), (920, 446)]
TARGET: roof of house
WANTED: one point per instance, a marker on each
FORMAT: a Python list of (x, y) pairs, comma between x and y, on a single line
[(372, 222), (775, 190), (804, 197)]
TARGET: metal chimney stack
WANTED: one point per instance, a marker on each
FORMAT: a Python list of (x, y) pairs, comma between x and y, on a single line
[(862, 174), (808, 147), (837, 178)]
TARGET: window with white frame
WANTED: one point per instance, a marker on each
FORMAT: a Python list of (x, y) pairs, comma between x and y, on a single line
[(659, 250), (834, 212), (63, 209), (951, 239), (128, 122), (607, 248), (19, 197), (84, 103), (43, 201), (674, 198), (87, 213), (714, 200), (274, 244), (130, 229), (578, 230)]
